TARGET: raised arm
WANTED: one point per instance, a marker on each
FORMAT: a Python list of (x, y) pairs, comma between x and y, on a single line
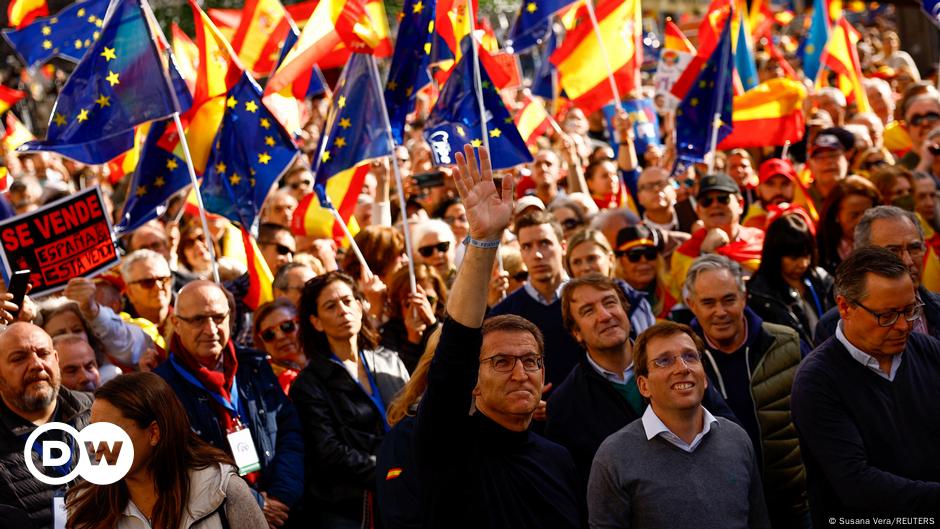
[(488, 214)]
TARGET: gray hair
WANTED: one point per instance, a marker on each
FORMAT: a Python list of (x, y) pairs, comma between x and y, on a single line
[(710, 262), (430, 226), (141, 255), (280, 278), (852, 274), (878, 84), (833, 93), (863, 228)]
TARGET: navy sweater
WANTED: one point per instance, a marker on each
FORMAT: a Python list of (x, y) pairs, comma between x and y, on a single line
[(475, 473), (562, 352), (871, 446)]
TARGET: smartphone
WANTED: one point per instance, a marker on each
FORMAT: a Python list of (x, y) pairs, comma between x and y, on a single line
[(429, 180), (18, 284)]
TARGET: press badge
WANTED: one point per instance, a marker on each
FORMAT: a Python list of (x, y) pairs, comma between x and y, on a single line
[(59, 513), (243, 450)]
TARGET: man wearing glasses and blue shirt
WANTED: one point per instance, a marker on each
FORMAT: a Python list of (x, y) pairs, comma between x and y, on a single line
[(866, 401)]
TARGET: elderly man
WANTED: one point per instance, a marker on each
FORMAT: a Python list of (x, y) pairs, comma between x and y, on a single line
[(289, 281), (30, 396), (226, 389), (921, 115), (77, 363), (279, 208), (752, 363), (600, 396), (486, 469), (719, 205), (898, 231), (866, 402), (153, 236), (828, 162), (678, 466)]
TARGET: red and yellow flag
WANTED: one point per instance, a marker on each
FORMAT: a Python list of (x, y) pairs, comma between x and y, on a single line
[(313, 220), (532, 120), (841, 57), (21, 12), (16, 134), (675, 39), (769, 114), (187, 56), (259, 275), (260, 34), (580, 61), (9, 97)]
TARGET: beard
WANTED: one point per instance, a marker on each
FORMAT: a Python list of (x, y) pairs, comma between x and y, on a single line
[(31, 400)]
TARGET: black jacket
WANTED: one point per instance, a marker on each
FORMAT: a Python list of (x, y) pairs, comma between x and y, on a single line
[(776, 302), (931, 312), (586, 409), (19, 490), (342, 429)]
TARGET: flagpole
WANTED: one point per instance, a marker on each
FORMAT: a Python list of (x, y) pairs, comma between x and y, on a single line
[(600, 42), (716, 120), (352, 242), (477, 82), (155, 25), (398, 182)]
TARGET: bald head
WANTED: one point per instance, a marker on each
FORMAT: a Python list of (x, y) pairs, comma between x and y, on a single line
[(29, 371), (77, 363), (202, 320)]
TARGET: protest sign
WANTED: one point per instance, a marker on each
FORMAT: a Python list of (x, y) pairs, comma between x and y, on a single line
[(68, 238), (671, 65)]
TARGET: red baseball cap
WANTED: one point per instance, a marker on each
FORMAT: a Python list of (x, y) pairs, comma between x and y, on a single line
[(774, 167)]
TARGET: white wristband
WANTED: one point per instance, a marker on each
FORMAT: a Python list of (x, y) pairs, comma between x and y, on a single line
[(481, 244)]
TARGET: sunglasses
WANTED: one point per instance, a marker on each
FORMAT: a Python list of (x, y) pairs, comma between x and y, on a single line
[(706, 202), (280, 248), (922, 119), (286, 327), (634, 255), (521, 276), (570, 224), (934, 150), (428, 251), (151, 282)]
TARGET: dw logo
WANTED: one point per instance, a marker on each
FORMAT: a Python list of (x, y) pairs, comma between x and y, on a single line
[(105, 453)]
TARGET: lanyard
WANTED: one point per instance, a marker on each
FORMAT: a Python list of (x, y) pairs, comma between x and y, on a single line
[(230, 405), (812, 291), (63, 469), (375, 395)]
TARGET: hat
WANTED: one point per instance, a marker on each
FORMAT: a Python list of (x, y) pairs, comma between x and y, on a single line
[(716, 182), (526, 202), (833, 138), (776, 166), (638, 235)]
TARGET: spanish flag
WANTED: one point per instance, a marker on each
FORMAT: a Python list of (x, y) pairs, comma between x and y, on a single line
[(21, 12), (746, 252), (9, 97), (769, 114), (187, 56), (261, 31), (532, 120), (16, 134), (841, 58), (675, 39), (581, 70), (259, 275), (313, 220)]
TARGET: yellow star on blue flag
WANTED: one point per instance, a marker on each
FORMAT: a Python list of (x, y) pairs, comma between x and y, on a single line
[(533, 23), (243, 166), (125, 66), (57, 35), (409, 70)]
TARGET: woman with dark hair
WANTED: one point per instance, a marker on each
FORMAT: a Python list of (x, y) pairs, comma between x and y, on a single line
[(383, 248), (788, 288), (341, 397), (276, 330), (175, 481), (193, 252), (840, 213), (412, 317)]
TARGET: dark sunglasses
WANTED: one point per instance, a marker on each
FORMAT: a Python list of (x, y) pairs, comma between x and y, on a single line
[(570, 224), (921, 119), (706, 202), (281, 249), (428, 251), (286, 327), (521, 276), (633, 255), (151, 282)]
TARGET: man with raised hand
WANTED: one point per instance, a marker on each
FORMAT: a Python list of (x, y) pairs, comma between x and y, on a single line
[(485, 469)]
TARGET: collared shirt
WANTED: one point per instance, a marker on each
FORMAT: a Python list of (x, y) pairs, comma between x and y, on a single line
[(653, 426), (866, 359), (610, 375), (537, 296), (672, 225)]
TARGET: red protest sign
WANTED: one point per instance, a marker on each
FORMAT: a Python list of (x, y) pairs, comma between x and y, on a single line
[(68, 238)]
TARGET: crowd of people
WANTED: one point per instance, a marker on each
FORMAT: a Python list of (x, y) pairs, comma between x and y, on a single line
[(587, 340)]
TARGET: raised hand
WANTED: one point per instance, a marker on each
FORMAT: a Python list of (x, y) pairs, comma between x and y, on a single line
[(488, 213)]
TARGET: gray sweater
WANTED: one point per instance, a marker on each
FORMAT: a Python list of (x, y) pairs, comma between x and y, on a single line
[(651, 484)]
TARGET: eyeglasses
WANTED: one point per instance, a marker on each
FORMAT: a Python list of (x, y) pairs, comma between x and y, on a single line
[(688, 182), (690, 358), (890, 317), (287, 327), (200, 320), (280, 248), (635, 254), (428, 251), (521, 276), (299, 184), (920, 120), (706, 202), (150, 282), (459, 218), (570, 224), (915, 248), (506, 363)]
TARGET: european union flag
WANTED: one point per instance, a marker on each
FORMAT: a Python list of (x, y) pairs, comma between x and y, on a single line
[(816, 38), (711, 94), (159, 175), (352, 133), (545, 82), (932, 8), (455, 120), (67, 34), (409, 70), (533, 22), (251, 151), (744, 58), (121, 82)]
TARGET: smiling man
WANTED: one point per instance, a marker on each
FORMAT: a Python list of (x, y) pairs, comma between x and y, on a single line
[(752, 364), (678, 466), (866, 402)]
